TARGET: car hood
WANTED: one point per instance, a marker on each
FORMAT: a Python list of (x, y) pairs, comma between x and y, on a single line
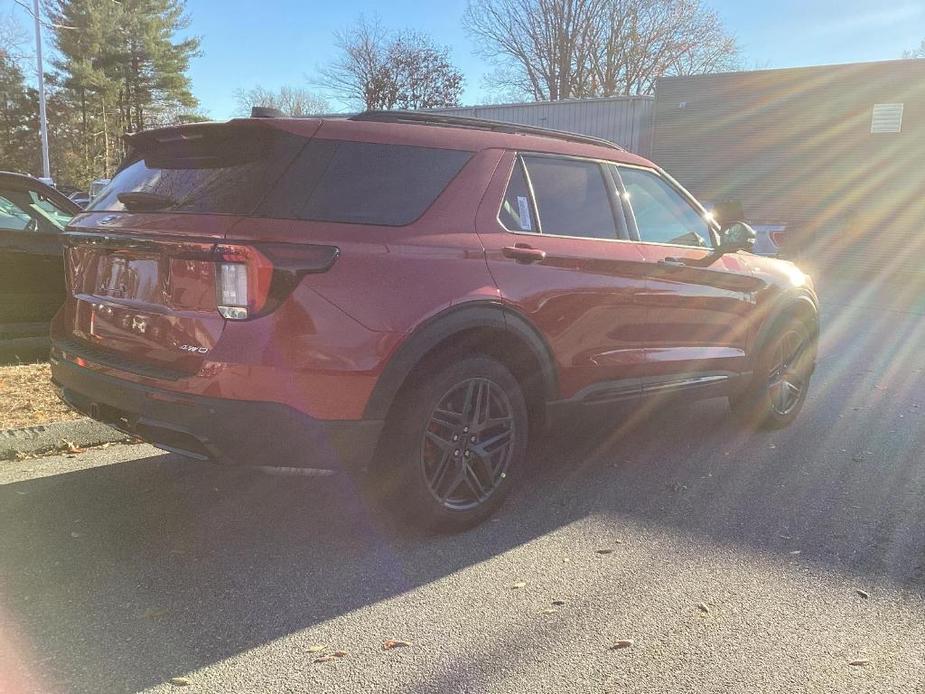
[(780, 273)]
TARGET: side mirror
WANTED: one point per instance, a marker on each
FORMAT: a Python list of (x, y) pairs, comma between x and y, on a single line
[(738, 236)]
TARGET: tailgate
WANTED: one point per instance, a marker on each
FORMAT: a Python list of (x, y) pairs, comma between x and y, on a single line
[(143, 298)]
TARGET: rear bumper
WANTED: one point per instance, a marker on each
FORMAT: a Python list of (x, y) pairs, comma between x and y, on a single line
[(239, 431)]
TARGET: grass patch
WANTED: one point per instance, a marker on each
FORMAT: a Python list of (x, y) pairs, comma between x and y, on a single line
[(27, 398)]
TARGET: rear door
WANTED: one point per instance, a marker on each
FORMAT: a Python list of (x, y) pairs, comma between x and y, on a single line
[(698, 305), (558, 248), (142, 261), (31, 268)]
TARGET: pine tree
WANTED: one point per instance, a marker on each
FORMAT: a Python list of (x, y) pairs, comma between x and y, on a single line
[(18, 119), (119, 69)]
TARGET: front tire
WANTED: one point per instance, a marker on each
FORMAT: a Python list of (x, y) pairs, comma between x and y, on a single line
[(454, 443), (778, 389)]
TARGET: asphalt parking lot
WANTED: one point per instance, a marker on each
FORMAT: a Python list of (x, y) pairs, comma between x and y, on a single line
[(735, 562)]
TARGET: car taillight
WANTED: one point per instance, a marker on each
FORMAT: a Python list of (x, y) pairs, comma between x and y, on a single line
[(231, 280), (253, 280)]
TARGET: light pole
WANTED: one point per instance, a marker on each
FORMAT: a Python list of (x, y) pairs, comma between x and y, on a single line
[(43, 120)]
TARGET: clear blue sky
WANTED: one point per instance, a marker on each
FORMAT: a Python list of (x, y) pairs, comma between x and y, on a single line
[(280, 42)]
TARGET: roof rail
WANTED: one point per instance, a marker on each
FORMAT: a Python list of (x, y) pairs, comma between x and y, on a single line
[(445, 120)]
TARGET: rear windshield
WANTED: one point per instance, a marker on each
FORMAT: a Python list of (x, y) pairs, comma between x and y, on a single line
[(282, 176), (227, 170)]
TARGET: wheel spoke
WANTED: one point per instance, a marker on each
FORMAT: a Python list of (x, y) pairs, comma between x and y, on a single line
[(438, 441), (473, 482), (447, 417)]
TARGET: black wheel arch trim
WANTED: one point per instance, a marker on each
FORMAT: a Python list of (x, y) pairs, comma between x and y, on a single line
[(787, 303), (452, 321)]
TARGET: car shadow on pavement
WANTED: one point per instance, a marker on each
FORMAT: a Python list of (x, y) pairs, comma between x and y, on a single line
[(117, 577)]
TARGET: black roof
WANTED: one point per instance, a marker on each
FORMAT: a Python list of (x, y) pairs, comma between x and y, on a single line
[(447, 120)]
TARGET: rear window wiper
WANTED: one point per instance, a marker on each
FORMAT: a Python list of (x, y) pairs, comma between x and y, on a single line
[(140, 201)]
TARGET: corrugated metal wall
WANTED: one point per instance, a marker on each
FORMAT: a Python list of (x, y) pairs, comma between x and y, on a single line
[(796, 146), (624, 120)]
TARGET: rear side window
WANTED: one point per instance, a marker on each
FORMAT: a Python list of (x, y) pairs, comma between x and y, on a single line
[(363, 183), (571, 197)]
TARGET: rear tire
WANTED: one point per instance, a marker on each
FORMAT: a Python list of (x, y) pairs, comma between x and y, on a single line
[(453, 445), (779, 385)]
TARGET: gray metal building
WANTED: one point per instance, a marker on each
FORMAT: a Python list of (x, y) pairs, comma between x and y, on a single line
[(835, 152), (625, 120)]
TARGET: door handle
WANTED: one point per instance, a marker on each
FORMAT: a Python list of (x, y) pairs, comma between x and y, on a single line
[(672, 263), (523, 253)]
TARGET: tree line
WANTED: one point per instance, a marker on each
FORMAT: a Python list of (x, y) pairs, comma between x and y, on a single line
[(121, 67)]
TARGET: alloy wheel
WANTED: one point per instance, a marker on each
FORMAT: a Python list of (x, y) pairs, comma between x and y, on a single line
[(787, 379), (468, 444)]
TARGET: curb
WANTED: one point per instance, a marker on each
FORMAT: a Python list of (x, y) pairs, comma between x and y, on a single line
[(56, 436)]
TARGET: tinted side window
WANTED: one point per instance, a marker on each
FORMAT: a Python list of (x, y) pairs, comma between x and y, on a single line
[(22, 210), (12, 216), (571, 197), (516, 210), (363, 183), (662, 214)]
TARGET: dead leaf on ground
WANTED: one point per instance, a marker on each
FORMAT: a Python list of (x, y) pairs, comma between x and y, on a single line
[(622, 643), (179, 681), (518, 585), (549, 610), (558, 603), (604, 551), (860, 662), (703, 608), (389, 644), (863, 593)]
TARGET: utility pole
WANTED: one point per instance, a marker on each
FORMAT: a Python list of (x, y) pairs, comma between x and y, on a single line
[(43, 119)]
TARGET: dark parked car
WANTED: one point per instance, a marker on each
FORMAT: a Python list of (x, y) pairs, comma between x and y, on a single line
[(416, 296), (32, 217)]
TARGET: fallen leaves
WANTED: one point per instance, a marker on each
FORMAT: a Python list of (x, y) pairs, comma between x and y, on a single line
[(518, 585), (180, 681), (860, 662), (326, 657), (391, 644), (863, 593), (621, 644), (703, 608), (72, 447), (604, 551), (558, 603)]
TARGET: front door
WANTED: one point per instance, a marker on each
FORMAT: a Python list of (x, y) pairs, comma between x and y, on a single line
[(31, 266), (698, 307), (558, 248)]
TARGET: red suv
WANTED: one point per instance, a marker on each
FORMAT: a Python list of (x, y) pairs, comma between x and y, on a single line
[(411, 295)]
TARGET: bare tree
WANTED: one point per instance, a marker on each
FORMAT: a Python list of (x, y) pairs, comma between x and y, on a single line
[(560, 49), (293, 101), (14, 41), (379, 69)]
